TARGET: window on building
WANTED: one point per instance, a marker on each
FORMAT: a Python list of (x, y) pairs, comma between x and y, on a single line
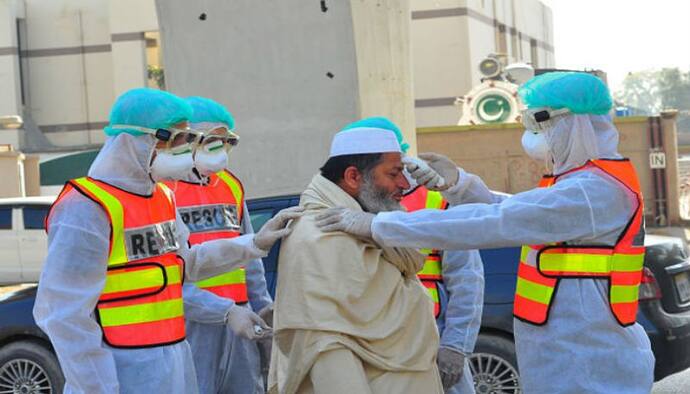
[(154, 60), (534, 52), (501, 39), (515, 46)]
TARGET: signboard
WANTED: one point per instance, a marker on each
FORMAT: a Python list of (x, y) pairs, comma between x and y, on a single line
[(657, 160)]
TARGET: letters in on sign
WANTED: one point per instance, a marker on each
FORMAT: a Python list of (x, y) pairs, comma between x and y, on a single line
[(151, 241), (217, 217)]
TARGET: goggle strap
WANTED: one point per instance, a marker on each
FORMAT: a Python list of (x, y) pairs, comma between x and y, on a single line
[(137, 128), (160, 134)]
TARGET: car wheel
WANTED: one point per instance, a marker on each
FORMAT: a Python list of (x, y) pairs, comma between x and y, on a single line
[(28, 368), (494, 365)]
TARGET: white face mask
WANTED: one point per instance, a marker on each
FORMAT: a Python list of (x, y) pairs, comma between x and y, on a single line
[(168, 166), (208, 163), (535, 145)]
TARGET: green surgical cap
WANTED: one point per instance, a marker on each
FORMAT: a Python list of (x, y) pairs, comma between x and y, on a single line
[(150, 108), (581, 93), (380, 122), (207, 110)]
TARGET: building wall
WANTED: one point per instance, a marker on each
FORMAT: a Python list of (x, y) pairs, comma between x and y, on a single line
[(292, 73), (451, 37), (494, 153)]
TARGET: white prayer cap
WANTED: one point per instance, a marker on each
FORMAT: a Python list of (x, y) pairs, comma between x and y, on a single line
[(364, 140)]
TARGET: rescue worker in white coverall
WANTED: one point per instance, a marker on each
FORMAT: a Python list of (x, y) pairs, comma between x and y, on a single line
[(211, 201)]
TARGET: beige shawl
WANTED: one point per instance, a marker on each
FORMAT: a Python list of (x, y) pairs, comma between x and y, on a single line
[(336, 291)]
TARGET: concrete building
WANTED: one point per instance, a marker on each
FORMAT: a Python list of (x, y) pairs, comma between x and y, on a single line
[(451, 37), (63, 62)]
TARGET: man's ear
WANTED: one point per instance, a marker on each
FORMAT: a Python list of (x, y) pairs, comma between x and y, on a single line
[(352, 180)]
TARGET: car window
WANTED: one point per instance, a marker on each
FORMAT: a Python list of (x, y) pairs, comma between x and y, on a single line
[(34, 217), (260, 217), (6, 218)]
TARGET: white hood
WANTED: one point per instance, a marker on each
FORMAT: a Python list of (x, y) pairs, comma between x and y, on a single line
[(578, 138), (124, 162)]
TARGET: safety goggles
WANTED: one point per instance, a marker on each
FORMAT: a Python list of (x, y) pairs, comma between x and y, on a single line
[(214, 142), (176, 140), (542, 119)]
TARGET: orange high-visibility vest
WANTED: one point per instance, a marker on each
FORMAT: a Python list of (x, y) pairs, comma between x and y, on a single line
[(431, 274), (141, 303), (542, 266), (214, 211)]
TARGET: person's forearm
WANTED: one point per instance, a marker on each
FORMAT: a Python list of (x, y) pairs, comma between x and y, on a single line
[(219, 256), (257, 289), (471, 189), (203, 306), (463, 277)]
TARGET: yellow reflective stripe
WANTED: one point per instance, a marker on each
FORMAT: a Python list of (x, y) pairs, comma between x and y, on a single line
[(141, 313), (627, 262), (118, 252), (235, 187), (122, 280), (524, 252), (626, 293), (433, 293), (575, 262), (434, 200), (229, 278), (426, 251), (533, 291), (431, 267), (594, 263)]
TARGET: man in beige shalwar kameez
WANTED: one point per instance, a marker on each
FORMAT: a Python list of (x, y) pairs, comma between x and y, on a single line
[(350, 316)]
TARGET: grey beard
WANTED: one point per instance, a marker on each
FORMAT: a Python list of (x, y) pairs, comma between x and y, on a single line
[(375, 200)]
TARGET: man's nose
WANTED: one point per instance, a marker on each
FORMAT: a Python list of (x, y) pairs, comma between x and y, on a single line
[(403, 183)]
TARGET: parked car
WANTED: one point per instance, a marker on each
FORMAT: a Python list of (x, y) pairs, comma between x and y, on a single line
[(664, 313), (23, 240), (28, 363)]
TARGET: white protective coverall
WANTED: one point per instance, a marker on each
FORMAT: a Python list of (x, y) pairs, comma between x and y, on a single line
[(225, 362), (74, 276), (462, 302), (581, 349)]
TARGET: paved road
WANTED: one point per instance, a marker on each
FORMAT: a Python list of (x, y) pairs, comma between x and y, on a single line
[(674, 384)]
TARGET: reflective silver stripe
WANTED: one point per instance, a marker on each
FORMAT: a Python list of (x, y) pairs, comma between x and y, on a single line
[(210, 217), (150, 241)]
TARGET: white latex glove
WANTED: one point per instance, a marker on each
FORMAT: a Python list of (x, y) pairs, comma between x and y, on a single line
[(423, 174), (357, 223), (276, 228), (245, 323), (444, 167), (450, 365)]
